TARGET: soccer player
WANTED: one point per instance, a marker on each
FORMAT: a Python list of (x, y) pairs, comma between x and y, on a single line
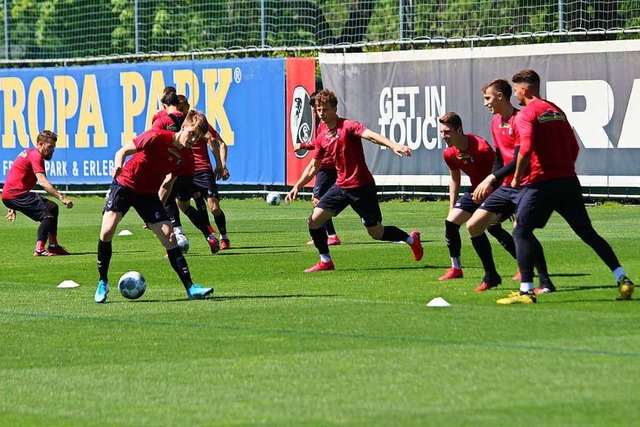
[(325, 177), (500, 204), (354, 185), (156, 153), (182, 190), (472, 155), (545, 170), (26, 170), (206, 194)]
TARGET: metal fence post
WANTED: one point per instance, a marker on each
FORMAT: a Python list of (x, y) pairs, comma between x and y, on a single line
[(6, 30), (560, 15), (401, 11), (136, 29)]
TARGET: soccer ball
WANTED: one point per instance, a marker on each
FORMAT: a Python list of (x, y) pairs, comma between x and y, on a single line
[(132, 285), (274, 199), (183, 242)]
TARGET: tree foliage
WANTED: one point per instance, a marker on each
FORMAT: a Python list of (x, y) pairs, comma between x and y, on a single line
[(54, 29)]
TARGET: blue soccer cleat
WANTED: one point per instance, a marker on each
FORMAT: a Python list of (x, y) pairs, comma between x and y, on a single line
[(101, 292), (198, 292)]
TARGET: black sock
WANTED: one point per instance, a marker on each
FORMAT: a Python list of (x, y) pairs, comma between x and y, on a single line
[(319, 236), (44, 228), (452, 238), (504, 238), (105, 250), (331, 230), (221, 222), (179, 264), (392, 233), (196, 219), (483, 248)]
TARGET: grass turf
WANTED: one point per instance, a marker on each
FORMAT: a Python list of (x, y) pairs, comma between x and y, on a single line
[(275, 346)]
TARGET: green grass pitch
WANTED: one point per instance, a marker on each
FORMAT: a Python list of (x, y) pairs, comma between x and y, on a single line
[(278, 347)]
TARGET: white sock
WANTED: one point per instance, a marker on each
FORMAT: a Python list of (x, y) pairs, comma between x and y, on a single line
[(526, 287), (409, 240), (455, 262), (224, 236), (325, 257), (178, 230)]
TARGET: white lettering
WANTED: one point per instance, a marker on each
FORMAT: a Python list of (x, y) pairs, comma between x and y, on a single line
[(56, 168), (97, 167), (401, 121), (631, 125), (588, 123), (6, 165)]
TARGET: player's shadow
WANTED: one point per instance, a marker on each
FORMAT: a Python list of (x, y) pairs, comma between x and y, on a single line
[(216, 298), (234, 253), (405, 267)]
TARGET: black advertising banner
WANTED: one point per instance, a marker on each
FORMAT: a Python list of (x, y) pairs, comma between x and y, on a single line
[(402, 94)]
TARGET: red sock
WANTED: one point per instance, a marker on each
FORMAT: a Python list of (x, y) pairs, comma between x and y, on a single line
[(53, 239), (39, 246)]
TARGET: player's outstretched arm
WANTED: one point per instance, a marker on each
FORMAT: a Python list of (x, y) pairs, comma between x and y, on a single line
[(50, 189), (376, 138), (118, 160), (308, 173)]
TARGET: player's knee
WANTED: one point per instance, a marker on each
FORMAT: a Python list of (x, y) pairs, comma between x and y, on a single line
[(375, 232)]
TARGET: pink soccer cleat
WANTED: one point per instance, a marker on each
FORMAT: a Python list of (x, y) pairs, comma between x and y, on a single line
[(321, 266)]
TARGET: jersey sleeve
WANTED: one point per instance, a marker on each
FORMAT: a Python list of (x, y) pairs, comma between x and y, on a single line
[(449, 159), (524, 127), (37, 162)]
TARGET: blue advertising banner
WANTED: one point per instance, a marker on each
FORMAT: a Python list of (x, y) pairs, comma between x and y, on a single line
[(95, 109)]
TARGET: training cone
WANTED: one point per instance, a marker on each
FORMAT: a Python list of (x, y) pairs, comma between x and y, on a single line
[(438, 302), (68, 284), (125, 233)]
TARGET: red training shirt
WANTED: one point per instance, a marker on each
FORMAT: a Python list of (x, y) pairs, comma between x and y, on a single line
[(546, 136), (156, 157), (505, 139), (345, 142), (22, 174), (476, 160)]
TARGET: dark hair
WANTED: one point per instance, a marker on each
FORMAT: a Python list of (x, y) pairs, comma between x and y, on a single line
[(325, 96), (312, 98), (169, 98), (452, 119), (528, 77), (47, 135), (500, 85), (183, 104)]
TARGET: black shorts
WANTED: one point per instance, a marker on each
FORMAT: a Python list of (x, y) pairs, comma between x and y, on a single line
[(466, 203), (148, 206), (204, 181), (30, 204), (363, 200), (502, 202), (564, 195), (325, 178), (182, 188)]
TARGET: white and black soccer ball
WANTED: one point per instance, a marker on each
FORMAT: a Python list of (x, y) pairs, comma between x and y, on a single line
[(274, 199), (132, 285), (183, 242)]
